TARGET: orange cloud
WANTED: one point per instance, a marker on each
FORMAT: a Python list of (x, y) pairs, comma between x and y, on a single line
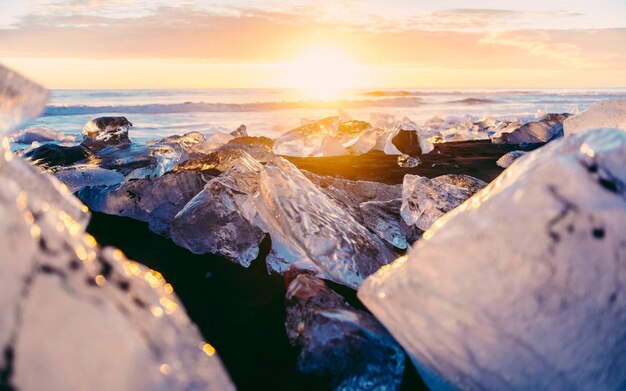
[(238, 46)]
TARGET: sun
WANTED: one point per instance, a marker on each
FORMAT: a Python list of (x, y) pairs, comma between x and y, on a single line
[(323, 73)]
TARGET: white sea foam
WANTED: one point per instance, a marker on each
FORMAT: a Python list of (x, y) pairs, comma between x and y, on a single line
[(271, 112)]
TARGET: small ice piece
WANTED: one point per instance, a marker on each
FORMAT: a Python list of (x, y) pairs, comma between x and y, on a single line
[(217, 139), (41, 135), (507, 159), (79, 176), (167, 156), (406, 161), (522, 287), (300, 216), (350, 131), (384, 219), (214, 221), (105, 131), (438, 129), (425, 200), (194, 143), (307, 140), (417, 143), (547, 129), (610, 113), (241, 131), (339, 342), (155, 201), (407, 142)]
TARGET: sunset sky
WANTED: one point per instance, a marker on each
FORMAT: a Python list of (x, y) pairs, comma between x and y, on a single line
[(272, 43)]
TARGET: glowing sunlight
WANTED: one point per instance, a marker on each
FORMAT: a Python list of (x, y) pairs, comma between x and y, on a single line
[(323, 72)]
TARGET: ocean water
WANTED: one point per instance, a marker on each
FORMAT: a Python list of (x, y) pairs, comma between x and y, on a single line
[(270, 112)]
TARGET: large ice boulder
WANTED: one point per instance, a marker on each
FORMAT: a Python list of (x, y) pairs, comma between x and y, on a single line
[(522, 287), (74, 316), (604, 114), (312, 232), (337, 341)]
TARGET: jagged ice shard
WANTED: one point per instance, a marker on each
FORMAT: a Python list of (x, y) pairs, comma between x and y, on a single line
[(425, 200), (153, 200), (310, 231), (67, 306), (308, 140), (522, 287), (219, 219)]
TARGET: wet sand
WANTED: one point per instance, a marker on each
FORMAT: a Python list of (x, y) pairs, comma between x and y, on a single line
[(241, 311), (475, 158)]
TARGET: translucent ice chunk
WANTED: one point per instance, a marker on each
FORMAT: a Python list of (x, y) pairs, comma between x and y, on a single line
[(351, 194), (66, 303), (507, 159), (406, 161), (547, 129), (219, 219), (307, 140), (20, 100), (383, 218), (301, 216), (604, 114), (40, 134), (338, 341), (194, 143), (79, 176), (522, 286), (241, 131), (104, 131), (425, 200), (217, 139), (221, 160), (154, 200)]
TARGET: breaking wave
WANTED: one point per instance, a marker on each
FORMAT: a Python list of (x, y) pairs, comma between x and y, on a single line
[(202, 107)]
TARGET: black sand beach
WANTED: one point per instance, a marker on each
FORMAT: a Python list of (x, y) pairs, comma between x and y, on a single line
[(241, 311), (475, 158)]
